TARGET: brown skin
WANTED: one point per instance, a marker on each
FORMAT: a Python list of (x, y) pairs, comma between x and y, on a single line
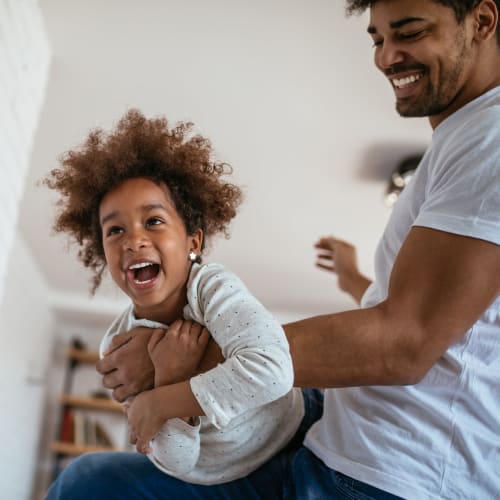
[(176, 355), (440, 283), (423, 39), (127, 368), (339, 257)]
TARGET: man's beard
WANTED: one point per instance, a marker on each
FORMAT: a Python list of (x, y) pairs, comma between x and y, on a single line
[(436, 99)]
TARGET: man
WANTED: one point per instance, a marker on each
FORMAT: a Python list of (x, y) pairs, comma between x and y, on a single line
[(414, 375), (432, 318)]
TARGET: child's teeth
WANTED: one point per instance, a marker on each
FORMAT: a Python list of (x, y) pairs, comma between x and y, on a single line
[(139, 266)]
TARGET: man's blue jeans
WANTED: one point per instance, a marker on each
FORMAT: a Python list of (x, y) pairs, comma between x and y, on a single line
[(294, 473)]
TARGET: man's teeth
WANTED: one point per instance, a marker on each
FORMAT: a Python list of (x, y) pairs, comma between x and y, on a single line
[(403, 82)]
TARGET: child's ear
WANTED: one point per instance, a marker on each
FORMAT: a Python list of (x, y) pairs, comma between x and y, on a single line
[(196, 241)]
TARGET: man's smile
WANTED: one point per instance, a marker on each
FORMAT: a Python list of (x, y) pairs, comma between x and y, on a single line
[(403, 82)]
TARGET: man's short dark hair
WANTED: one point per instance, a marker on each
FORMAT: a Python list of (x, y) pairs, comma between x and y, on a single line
[(460, 7)]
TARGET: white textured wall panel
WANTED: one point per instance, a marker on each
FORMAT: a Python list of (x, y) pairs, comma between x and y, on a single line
[(25, 317), (24, 62), (25, 323)]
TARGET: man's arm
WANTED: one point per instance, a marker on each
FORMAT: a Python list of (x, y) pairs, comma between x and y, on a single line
[(439, 286)]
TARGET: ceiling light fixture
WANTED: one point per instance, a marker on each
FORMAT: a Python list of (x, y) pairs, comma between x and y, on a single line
[(400, 178)]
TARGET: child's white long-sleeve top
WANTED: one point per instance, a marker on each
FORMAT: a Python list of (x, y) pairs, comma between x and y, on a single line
[(251, 409)]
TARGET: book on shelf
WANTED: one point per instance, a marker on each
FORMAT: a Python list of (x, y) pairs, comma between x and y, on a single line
[(79, 428), (68, 426), (102, 437), (83, 429)]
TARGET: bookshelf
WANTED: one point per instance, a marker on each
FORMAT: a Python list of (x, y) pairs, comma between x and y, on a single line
[(92, 403), (80, 429)]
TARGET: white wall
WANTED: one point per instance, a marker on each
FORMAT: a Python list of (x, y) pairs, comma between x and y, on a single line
[(25, 332), (25, 321), (23, 76), (287, 92)]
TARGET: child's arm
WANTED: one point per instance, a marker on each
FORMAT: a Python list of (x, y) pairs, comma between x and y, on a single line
[(127, 369), (175, 353), (172, 444), (149, 410), (176, 447), (257, 368)]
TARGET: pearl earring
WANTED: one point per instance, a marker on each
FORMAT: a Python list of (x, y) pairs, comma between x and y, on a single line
[(192, 256)]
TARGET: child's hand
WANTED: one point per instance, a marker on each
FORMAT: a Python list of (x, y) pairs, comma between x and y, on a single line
[(176, 353), (144, 420)]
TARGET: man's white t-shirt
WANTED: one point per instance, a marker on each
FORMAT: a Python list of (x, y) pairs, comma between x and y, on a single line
[(439, 438)]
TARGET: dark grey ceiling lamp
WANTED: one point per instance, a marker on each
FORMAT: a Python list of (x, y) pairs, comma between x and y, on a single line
[(400, 178)]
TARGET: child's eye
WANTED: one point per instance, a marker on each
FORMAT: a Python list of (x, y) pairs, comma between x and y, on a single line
[(377, 43), (114, 230)]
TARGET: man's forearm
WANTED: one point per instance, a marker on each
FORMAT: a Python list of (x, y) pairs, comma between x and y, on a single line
[(335, 350), (357, 287), (351, 348)]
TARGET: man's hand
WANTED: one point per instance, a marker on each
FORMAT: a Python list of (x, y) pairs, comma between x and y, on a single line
[(126, 366), (338, 256), (176, 353)]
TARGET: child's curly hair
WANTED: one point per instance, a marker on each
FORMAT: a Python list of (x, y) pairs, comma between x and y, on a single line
[(140, 147)]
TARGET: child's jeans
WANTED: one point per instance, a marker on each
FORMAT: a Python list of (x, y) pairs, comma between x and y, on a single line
[(294, 473)]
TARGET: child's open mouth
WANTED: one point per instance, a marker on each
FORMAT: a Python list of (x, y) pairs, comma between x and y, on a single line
[(143, 273)]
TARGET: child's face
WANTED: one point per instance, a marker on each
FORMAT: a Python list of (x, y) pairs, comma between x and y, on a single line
[(146, 247)]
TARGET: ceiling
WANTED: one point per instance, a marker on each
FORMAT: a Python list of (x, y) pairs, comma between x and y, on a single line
[(287, 92)]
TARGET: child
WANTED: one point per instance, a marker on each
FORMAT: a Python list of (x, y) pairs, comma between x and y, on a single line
[(141, 201)]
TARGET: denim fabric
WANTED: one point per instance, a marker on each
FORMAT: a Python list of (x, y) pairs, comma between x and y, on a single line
[(294, 473), (313, 410), (311, 479), (123, 476)]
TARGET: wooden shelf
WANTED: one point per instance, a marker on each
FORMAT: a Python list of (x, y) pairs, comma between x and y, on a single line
[(82, 355), (91, 403), (79, 419), (76, 449)]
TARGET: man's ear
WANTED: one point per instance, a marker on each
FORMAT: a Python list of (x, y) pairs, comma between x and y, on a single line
[(486, 20)]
